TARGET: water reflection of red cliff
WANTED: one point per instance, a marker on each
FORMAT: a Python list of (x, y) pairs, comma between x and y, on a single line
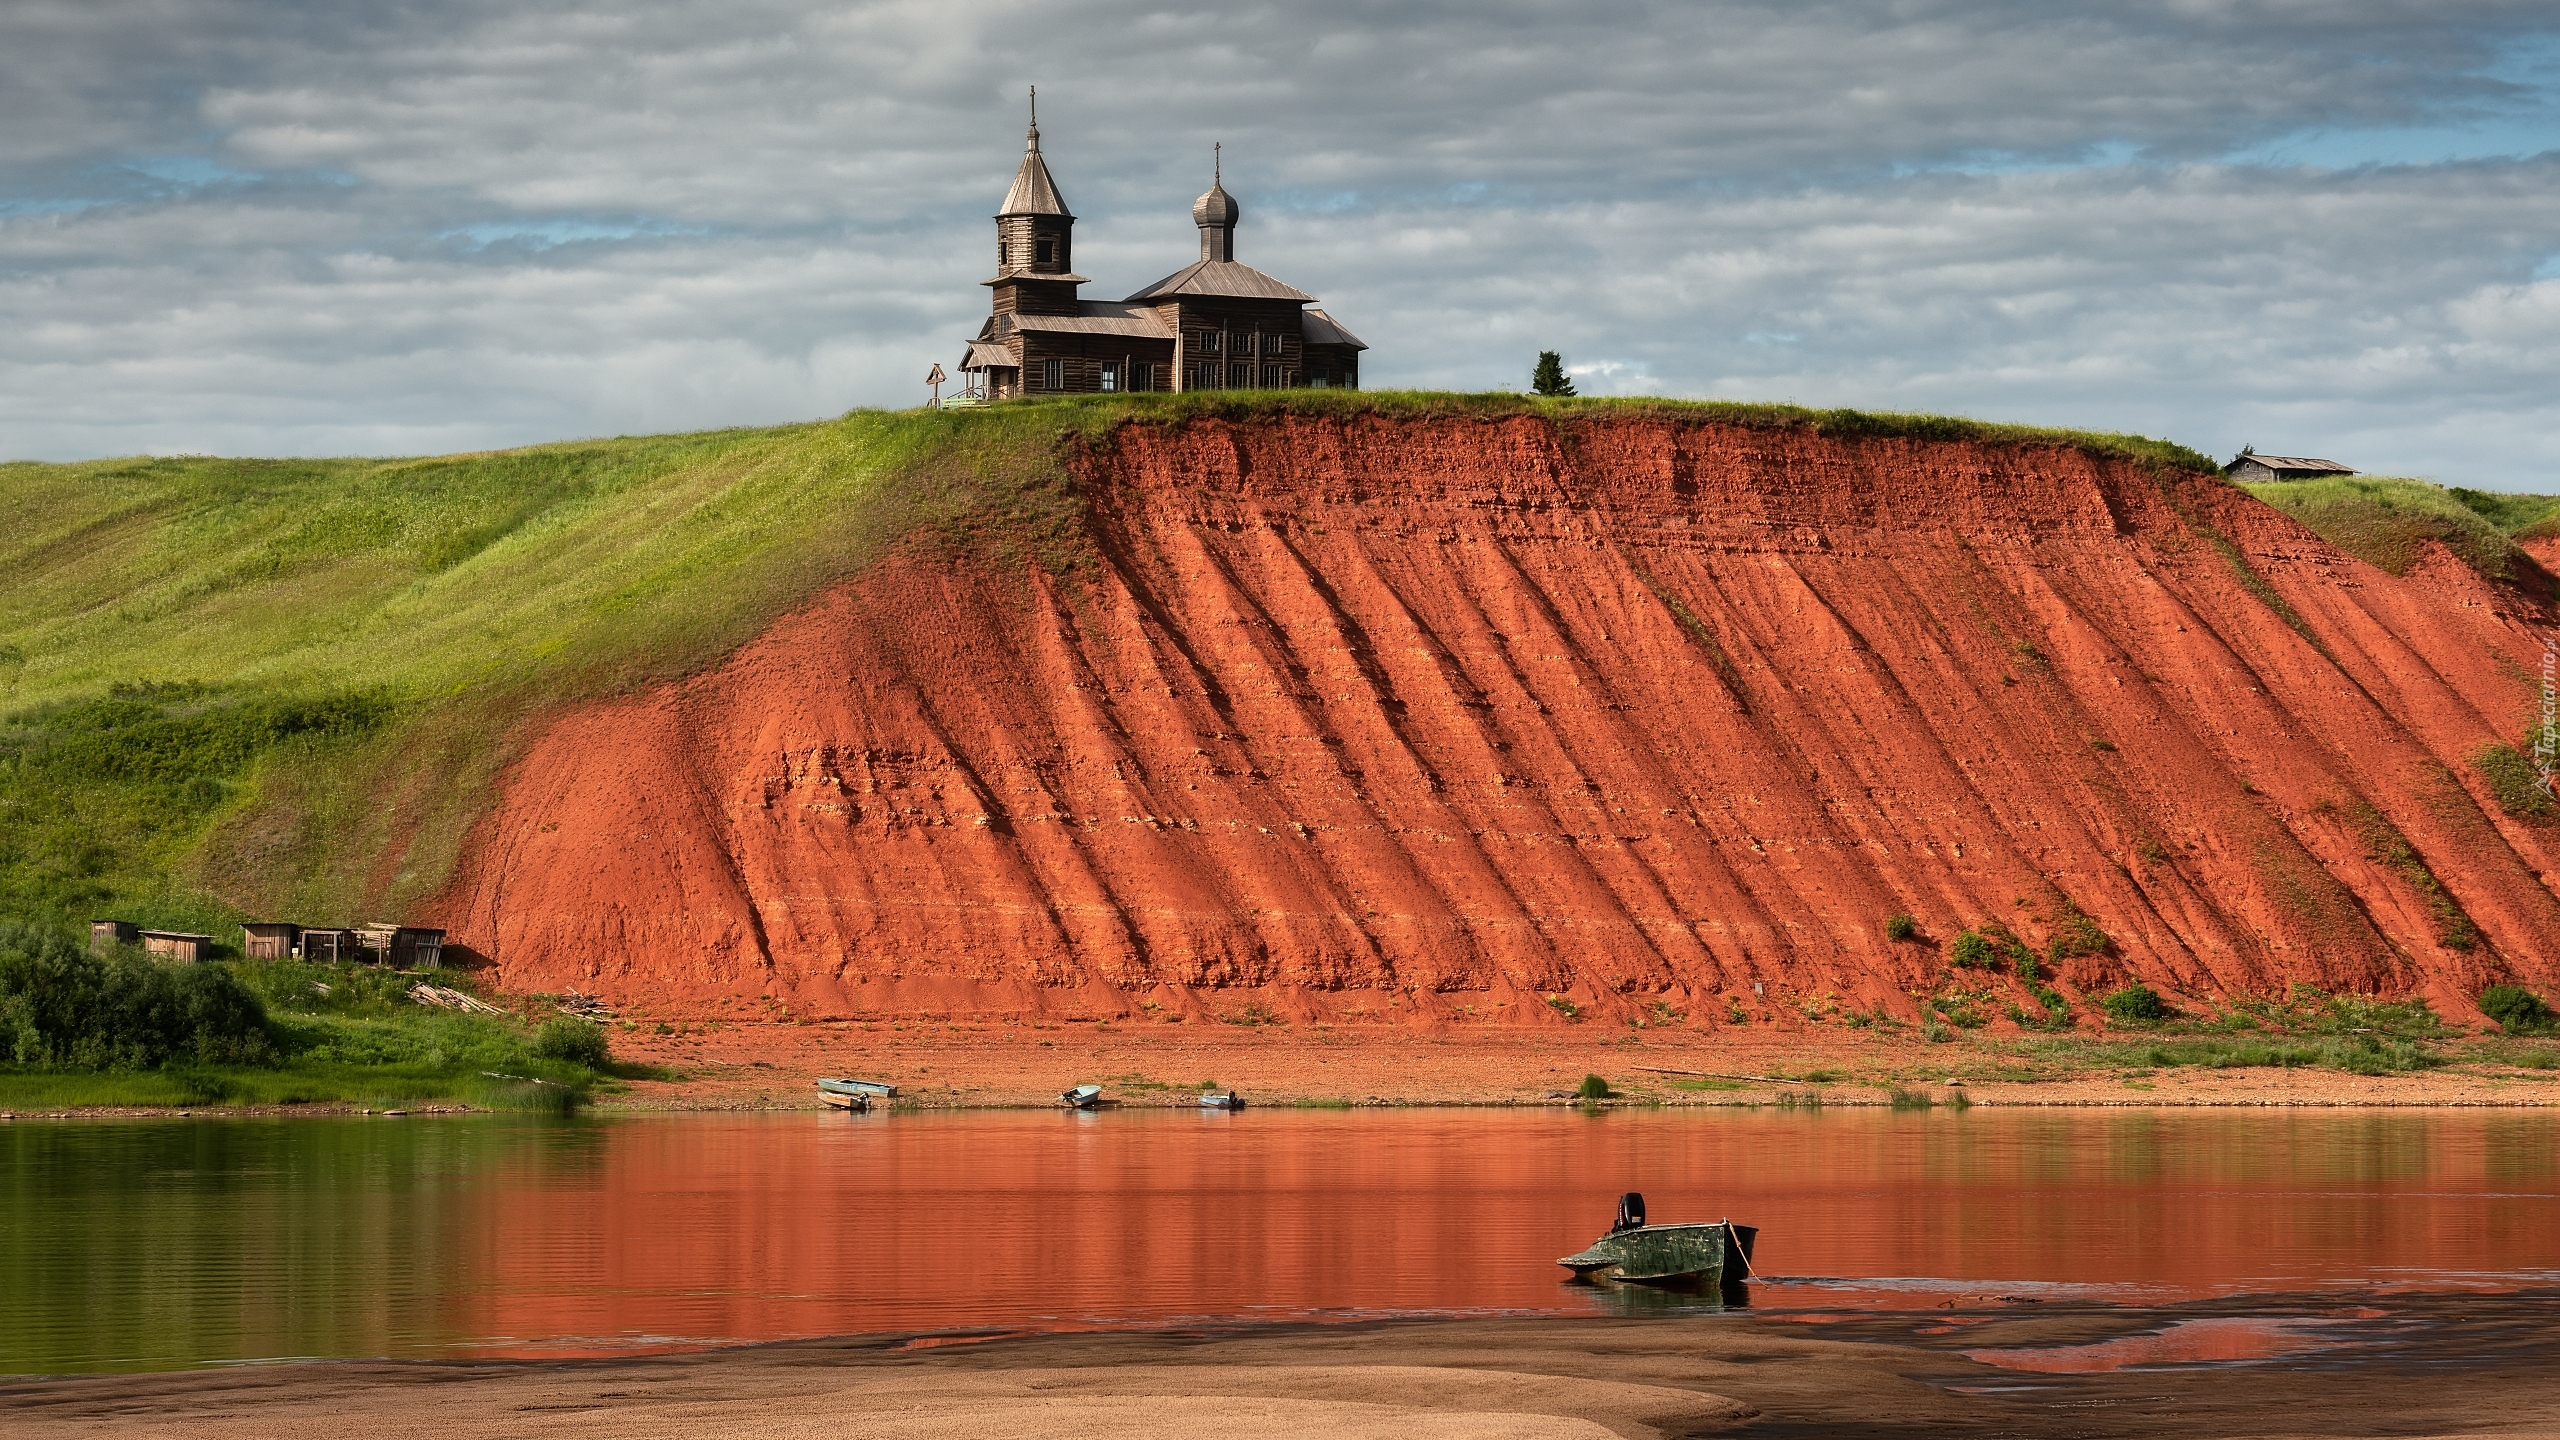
[(690, 1231)]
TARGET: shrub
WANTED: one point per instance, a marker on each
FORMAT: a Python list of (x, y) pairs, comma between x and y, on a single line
[(1900, 926), (576, 1041), (2515, 782), (2517, 1010), (2135, 1005), (2074, 934), (1594, 1088), (1971, 951), (64, 1008)]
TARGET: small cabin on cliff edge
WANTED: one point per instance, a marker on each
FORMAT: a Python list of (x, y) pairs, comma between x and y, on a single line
[(2253, 468), (1214, 324)]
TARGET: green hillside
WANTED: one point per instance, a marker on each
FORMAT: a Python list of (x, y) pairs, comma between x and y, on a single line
[(288, 682), (2384, 520), (287, 686)]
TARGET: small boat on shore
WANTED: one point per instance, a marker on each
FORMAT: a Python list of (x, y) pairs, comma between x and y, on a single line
[(1081, 1097), (1215, 1101), (855, 1095), (1707, 1255)]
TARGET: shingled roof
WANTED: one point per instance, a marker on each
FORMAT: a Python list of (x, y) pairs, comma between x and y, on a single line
[(1229, 278), (2287, 467), (1323, 329), (1096, 320), (1033, 192)]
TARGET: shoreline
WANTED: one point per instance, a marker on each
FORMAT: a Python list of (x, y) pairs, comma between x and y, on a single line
[(967, 1066), (2287, 1364)]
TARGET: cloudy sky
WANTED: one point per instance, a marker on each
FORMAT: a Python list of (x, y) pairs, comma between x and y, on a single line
[(266, 227)]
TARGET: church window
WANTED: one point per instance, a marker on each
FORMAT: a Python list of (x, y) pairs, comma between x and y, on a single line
[(1243, 344), (1053, 374), (1048, 251), (1240, 376), (1142, 377), (1110, 377), (1209, 342)]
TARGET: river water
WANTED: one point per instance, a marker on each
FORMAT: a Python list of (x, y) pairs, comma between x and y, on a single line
[(168, 1243)]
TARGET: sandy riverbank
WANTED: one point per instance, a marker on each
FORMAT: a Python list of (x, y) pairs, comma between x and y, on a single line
[(960, 1065), (751, 1066), (2402, 1365)]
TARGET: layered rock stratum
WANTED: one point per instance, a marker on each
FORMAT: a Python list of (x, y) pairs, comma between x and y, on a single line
[(1515, 719)]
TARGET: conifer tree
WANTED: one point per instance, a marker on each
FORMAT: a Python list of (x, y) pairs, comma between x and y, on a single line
[(1549, 378)]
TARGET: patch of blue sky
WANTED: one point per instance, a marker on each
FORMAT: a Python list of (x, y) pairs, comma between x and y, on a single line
[(2101, 156), (185, 172), (2549, 269), (552, 232), (135, 179), (2526, 122), (1315, 202)]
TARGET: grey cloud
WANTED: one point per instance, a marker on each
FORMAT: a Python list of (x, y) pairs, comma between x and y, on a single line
[(466, 222)]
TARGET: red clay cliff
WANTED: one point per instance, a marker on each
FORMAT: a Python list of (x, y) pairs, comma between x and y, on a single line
[(1502, 720)]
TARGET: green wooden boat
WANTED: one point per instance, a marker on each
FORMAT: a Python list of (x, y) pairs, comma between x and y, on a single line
[(1705, 1255)]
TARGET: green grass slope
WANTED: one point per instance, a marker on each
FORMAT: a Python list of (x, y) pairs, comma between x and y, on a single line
[(286, 687), (2385, 520)]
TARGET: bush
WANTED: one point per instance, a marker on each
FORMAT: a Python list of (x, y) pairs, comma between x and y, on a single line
[(1594, 1088), (1971, 951), (64, 1008), (576, 1041), (1900, 926), (2135, 1005), (2517, 1010), (2515, 782), (2075, 934)]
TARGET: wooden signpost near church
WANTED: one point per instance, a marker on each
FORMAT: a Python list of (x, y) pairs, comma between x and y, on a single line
[(1214, 324), (935, 380)]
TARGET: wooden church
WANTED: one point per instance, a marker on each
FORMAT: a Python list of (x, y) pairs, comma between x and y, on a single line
[(1214, 324)]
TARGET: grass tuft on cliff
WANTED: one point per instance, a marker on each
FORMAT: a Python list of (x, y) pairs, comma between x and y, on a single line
[(285, 688)]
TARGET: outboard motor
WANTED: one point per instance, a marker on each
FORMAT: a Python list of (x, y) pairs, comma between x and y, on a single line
[(1630, 1212)]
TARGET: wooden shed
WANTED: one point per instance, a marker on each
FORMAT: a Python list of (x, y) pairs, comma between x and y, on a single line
[(403, 947), (269, 939), (328, 944), (106, 935), (177, 945), (2254, 468)]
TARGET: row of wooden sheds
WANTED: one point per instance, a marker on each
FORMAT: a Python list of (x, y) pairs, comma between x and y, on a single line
[(402, 947)]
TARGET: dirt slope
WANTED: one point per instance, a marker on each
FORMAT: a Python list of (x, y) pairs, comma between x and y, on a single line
[(1371, 717)]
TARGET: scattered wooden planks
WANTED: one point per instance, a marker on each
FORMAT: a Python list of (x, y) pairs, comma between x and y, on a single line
[(444, 999)]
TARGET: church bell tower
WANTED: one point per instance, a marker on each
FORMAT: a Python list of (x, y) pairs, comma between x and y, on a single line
[(1035, 237)]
